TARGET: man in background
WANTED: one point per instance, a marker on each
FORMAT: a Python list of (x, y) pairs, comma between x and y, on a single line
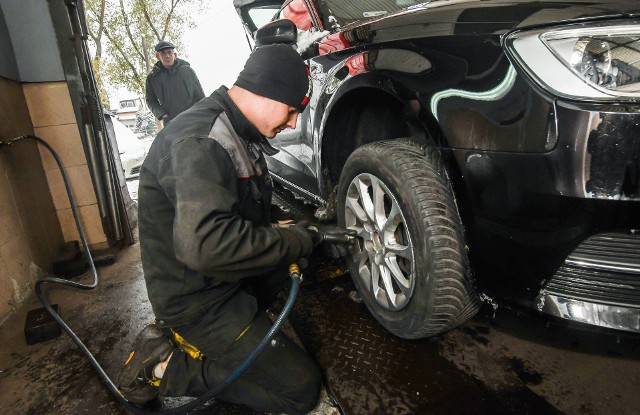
[(172, 86)]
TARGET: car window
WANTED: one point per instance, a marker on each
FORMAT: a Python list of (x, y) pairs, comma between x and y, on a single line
[(256, 13), (340, 12), (262, 15)]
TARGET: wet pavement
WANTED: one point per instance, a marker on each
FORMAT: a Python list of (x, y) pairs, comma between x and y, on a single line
[(484, 367), (505, 361), (510, 363), (371, 371)]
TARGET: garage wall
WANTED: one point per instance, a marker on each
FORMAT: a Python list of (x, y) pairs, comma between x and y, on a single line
[(8, 66), (30, 234), (54, 121), (35, 216)]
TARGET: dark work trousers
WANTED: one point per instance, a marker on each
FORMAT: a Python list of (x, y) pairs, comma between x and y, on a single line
[(283, 378)]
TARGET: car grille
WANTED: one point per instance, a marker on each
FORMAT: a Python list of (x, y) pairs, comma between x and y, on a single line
[(605, 268), (135, 170)]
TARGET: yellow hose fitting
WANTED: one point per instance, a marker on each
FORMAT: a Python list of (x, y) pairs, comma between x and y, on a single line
[(294, 271)]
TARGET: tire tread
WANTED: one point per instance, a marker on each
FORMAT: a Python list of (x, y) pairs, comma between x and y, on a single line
[(426, 178)]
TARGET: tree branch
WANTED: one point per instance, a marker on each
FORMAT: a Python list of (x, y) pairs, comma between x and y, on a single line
[(148, 20), (122, 25), (167, 21), (97, 35), (123, 54), (129, 34)]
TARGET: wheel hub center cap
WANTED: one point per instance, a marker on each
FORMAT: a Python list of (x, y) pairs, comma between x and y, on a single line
[(378, 247), (377, 241)]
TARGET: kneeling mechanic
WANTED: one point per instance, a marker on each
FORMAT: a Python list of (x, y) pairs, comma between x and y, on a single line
[(212, 261)]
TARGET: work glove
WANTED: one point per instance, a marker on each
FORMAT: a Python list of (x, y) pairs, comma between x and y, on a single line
[(308, 238), (315, 235), (279, 215)]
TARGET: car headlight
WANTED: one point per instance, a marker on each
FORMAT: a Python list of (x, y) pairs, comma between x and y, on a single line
[(596, 62)]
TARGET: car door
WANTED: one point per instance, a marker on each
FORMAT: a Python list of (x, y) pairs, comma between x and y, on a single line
[(296, 163), (255, 14)]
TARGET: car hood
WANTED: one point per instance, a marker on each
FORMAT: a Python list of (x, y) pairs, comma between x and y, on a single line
[(498, 16)]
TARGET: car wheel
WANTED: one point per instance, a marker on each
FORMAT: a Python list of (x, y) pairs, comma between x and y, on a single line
[(410, 262)]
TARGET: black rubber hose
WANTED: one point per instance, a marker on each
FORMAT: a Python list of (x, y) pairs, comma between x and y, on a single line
[(189, 406)]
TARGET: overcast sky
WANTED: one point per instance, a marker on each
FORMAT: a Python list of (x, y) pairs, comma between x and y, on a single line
[(217, 47)]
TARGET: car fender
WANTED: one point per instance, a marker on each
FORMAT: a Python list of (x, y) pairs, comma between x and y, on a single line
[(336, 90), (378, 71), (368, 69), (331, 96)]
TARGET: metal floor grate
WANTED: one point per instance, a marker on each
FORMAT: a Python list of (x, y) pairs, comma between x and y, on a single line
[(370, 371)]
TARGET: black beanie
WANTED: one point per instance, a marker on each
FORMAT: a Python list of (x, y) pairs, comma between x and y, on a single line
[(276, 72)]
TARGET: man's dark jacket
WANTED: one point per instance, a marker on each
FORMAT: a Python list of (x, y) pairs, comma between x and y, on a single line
[(171, 91), (204, 218)]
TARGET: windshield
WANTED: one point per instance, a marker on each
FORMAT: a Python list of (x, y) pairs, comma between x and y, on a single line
[(341, 12)]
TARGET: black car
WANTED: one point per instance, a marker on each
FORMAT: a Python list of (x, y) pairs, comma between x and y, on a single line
[(483, 150)]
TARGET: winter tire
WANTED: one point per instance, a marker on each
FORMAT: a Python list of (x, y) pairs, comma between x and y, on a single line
[(410, 261)]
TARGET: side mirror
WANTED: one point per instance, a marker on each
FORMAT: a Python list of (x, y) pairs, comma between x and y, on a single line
[(278, 31)]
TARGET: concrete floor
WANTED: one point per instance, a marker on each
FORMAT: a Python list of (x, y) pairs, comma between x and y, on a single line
[(570, 371)]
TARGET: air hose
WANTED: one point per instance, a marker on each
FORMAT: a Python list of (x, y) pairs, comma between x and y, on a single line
[(201, 401)]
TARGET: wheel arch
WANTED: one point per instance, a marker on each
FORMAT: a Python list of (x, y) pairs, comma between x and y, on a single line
[(365, 108), (355, 102)]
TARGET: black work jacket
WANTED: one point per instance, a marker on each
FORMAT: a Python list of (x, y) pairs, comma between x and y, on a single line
[(204, 216), (171, 91)]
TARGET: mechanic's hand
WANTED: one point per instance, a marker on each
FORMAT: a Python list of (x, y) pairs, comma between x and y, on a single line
[(304, 236), (316, 236), (281, 216), (312, 230)]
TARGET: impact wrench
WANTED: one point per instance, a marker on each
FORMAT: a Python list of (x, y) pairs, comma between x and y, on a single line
[(329, 234)]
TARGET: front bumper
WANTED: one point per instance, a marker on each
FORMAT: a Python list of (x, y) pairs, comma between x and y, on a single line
[(598, 283), (532, 215)]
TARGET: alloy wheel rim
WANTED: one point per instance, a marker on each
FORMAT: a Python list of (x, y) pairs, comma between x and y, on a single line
[(384, 253)]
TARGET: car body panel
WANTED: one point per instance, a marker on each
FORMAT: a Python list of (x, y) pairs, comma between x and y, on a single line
[(535, 174)]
